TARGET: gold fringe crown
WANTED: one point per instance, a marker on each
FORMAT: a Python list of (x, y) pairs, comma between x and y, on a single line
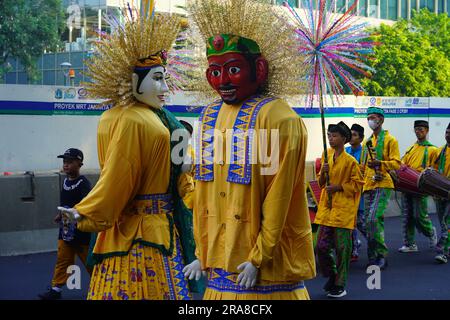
[(138, 39), (257, 27)]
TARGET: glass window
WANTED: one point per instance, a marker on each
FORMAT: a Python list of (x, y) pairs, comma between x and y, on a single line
[(404, 9), (441, 6), (392, 9), (11, 78), (20, 66), (49, 61), (292, 3), (373, 9), (362, 10), (383, 9), (60, 78), (22, 78), (77, 59), (340, 6), (49, 78), (60, 58)]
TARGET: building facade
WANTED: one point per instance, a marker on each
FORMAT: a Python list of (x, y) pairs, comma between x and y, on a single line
[(85, 17)]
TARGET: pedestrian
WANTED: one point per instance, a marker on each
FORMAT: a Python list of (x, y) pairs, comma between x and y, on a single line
[(336, 223), (71, 242)]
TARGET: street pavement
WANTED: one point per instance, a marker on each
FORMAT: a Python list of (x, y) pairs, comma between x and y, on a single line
[(412, 276)]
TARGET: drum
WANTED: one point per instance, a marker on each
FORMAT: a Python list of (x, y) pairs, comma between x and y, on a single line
[(434, 184), (313, 187), (406, 180)]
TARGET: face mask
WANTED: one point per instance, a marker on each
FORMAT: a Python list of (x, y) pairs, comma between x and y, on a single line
[(373, 124), (153, 88)]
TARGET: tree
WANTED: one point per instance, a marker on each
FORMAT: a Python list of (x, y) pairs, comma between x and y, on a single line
[(27, 29), (412, 59)]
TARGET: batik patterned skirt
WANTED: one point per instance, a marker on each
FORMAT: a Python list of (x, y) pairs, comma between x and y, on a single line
[(222, 286), (144, 274)]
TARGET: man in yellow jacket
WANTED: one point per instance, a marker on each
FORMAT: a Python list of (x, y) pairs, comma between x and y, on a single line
[(442, 164), (338, 221), (380, 155), (415, 208), (251, 220)]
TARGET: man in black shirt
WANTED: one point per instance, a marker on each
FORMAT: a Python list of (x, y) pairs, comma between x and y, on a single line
[(71, 241)]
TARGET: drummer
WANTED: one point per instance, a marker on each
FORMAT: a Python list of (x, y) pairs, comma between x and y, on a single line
[(414, 207), (442, 164), (380, 155)]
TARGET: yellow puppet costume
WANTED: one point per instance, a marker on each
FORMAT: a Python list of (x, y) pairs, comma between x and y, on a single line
[(252, 211), (144, 239)]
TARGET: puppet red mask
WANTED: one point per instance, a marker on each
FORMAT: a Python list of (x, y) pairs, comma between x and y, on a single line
[(231, 76)]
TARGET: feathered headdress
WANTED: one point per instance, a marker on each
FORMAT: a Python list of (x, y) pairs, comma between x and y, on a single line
[(228, 25), (139, 39)]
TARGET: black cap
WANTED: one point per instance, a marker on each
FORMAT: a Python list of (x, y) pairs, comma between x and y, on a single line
[(448, 127), (421, 123), (356, 127), (342, 128), (72, 153)]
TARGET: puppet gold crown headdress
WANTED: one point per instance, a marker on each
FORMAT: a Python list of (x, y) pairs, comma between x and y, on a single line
[(261, 28), (139, 39)]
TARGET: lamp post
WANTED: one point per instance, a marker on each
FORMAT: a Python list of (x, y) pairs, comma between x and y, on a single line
[(65, 66)]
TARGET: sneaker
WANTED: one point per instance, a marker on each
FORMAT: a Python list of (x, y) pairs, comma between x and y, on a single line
[(382, 263), (433, 239), (50, 295), (337, 292), (330, 284), (441, 258), (407, 249)]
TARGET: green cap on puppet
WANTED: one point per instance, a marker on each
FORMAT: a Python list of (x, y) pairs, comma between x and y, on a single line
[(229, 43)]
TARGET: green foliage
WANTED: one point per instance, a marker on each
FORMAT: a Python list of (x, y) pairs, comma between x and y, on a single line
[(27, 28), (413, 58)]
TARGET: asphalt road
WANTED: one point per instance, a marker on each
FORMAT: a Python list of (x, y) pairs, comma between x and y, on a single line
[(410, 276)]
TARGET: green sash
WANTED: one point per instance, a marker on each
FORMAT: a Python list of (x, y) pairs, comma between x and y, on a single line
[(378, 149), (182, 215), (426, 144), (442, 159)]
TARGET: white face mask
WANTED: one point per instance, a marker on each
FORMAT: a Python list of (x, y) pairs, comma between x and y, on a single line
[(153, 88), (373, 124)]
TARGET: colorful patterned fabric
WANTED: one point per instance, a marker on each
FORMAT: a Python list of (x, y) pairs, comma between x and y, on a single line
[(242, 141), (143, 274), (154, 204), (443, 211), (375, 203), (415, 215), (334, 242), (222, 283)]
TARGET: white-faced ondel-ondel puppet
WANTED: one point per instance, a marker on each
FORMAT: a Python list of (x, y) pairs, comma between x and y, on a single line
[(145, 232)]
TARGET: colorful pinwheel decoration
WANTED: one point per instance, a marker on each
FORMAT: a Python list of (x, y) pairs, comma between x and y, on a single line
[(335, 47)]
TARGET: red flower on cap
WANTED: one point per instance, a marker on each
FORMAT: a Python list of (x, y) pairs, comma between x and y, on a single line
[(218, 43)]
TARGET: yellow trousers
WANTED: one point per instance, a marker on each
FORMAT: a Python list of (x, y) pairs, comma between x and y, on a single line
[(66, 257)]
